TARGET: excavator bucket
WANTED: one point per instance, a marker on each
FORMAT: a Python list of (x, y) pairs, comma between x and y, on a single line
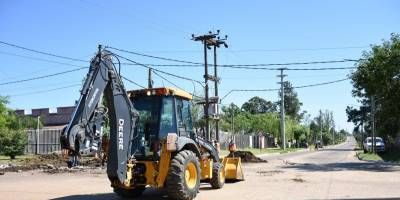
[(233, 168)]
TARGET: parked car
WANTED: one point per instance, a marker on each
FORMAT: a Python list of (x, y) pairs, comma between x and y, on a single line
[(379, 144)]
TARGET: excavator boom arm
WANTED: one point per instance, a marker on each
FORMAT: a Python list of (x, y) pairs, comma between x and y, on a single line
[(103, 80)]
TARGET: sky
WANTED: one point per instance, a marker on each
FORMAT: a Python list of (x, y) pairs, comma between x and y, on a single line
[(258, 32)]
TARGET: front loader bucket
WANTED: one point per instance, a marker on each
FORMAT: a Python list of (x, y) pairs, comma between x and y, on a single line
[(233, 168)]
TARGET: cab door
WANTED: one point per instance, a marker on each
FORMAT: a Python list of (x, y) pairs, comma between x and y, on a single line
[(184, 117)]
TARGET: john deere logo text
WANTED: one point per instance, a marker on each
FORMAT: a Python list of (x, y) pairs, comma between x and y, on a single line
[(121, 134)]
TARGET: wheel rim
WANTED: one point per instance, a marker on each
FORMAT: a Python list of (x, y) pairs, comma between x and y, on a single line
[(191, 175)]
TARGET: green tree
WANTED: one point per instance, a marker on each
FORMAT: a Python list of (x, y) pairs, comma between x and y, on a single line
[(13, 138), (323, 124), (300, 134), (378, 76), (257, 105), (230, 110), (292, 103), (12, 142), (359, 116), (3, 111)]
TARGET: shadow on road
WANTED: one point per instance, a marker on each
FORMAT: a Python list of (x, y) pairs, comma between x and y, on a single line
[(149, 194), (384, 198), (88, 196), (336, 149), (352, 166)]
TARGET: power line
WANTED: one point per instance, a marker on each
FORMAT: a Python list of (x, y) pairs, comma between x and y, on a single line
[(162, 77), (41, 77), (27, 88), (260, 66), (242, 66), (44, 91), (157, 70), (262, 50), (155, 57), (277, 89), (254, 66), (41, 52), (323, 83), (165, 79), (300, 49), (166, 65), (247, 90), (232, 65), (38, 59), (137, 84)]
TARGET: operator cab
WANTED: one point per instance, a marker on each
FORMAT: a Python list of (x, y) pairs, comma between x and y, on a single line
[(161, 111)]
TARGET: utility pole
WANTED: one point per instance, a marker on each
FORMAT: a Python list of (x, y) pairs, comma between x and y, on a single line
[(207, 132), (150, 80), (218, 43), (233, 120), (362, 135), (37, 134), (373, 123), (320, 126), (216, 92), (208, 40), (282, 123)]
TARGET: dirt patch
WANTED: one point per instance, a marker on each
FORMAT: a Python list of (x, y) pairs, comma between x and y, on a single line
[(269, 173), (298, 180), (91, 162), (246, 156), (50, 163)]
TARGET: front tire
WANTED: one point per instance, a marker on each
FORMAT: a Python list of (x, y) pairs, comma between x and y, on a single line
[(218, 176), (183, 180), (130, 193)]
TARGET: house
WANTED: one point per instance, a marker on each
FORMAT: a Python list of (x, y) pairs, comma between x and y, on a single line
[(57, 119)]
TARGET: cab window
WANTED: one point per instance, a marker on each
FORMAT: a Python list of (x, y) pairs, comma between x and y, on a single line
[(184, 115), (167, 124)]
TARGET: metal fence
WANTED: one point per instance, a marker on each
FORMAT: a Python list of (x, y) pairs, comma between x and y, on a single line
[(247, 141), (47, 141)]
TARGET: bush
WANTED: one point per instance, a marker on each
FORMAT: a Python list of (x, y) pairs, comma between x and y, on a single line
[(12, 142)]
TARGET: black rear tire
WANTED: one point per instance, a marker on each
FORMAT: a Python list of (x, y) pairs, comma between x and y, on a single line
[(130, 193), (218, 176), (183, 180)]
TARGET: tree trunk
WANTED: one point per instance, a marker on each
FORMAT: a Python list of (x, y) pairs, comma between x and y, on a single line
[(12, 157)]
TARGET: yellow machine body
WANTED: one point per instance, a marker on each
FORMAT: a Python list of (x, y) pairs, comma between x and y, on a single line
[(233, 168), (206, 167), (156, 171)]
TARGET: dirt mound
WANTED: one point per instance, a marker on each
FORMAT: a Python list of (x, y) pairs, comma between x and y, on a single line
[(46, 159), (246, 156), (51, 163), (90, 162)]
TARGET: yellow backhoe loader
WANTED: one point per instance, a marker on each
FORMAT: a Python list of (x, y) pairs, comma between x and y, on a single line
[(151, 141)]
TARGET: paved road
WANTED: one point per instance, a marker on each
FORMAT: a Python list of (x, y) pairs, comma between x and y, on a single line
[(332, 173)]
